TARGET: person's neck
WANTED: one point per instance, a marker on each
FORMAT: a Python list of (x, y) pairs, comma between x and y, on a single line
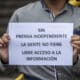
[(55, 6)]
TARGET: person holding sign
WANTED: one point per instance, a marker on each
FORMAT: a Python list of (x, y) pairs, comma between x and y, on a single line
[(56, 11)]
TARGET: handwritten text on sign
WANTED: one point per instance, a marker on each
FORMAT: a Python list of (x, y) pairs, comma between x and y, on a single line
[(40, 43)]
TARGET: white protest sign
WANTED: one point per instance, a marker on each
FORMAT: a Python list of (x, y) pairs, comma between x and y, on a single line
[(40, 44)]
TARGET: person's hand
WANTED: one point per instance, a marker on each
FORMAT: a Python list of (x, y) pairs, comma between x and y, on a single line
[(75, 41), (4, 47)]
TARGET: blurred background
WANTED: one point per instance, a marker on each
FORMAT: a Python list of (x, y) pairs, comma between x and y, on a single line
[(7, 7)]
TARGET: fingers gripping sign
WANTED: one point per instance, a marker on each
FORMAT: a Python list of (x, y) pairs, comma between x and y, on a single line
[(75, 40), (4, 47)]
